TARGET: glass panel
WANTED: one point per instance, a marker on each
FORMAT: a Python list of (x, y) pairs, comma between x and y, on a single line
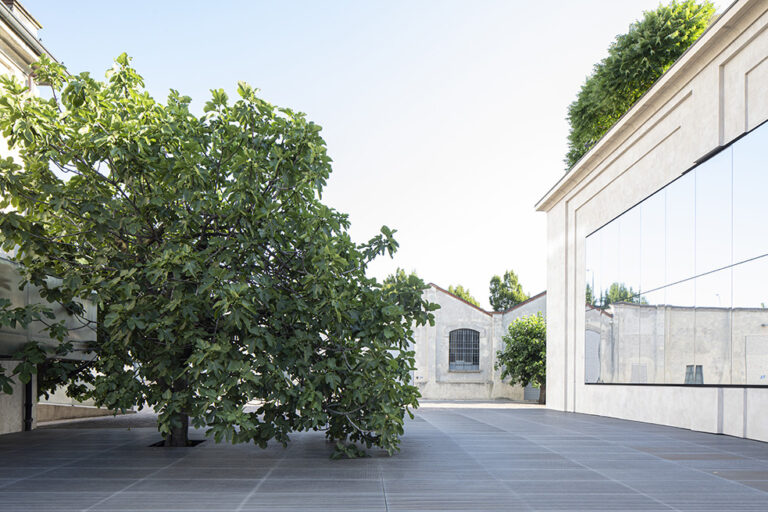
[(750, 204), (652, 242), (713, 213), (625, 342), (601, 359), (749, 336), (37, 330), (653, 335), (712, 359), (9, 284), (629, 255), (10, 337), (679, 319), (593, 327), (592, 266), (677, 287), (609, 272), (593, 315), (680, 233)]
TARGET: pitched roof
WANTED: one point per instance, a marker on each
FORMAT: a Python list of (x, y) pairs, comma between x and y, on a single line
[(522, 303), (457, 297), (489, 313)]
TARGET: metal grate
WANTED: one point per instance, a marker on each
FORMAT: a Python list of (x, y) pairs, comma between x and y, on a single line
[(464, 350)]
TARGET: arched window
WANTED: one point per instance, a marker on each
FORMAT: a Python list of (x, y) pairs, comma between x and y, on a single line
[(464, 350)]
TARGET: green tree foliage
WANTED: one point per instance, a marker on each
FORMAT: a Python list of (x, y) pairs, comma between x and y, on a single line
[(463, 293), (635, 61), (219, 275), (524, 357), (590, 295), (507, 292), (617, 292)]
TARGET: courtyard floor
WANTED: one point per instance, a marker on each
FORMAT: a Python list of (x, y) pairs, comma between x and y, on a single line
[(454, 456)]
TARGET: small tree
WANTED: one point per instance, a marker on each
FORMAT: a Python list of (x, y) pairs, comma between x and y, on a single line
[(635, 61), (524, 357), (463, 293), (506, 293), (219, 275), (616, 292)]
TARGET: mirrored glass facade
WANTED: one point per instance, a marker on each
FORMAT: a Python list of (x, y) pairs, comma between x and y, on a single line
[(677, 286)]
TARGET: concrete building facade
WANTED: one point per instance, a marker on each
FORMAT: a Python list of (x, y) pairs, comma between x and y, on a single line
[(668, 212), (455, 358)]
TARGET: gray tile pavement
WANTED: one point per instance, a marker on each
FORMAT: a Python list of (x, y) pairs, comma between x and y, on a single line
[(459, 459)]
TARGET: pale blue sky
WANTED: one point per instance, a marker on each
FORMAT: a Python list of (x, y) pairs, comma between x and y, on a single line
[(445, 119)]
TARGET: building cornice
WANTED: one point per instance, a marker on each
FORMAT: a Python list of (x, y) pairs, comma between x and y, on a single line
[(693, 61), (33, 46)]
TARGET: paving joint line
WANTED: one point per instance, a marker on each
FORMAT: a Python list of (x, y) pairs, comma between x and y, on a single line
[(598, 471), (142, 479), (384, 491), (705, 472), (261, 482), (667, 437), (471, 456), (43, 471)]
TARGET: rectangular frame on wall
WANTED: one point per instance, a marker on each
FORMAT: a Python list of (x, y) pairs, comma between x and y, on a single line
[(679, 309)]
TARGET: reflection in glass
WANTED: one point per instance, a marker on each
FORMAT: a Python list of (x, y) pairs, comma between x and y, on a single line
[(680, 322), (653, 335), (593, 327), (81, 326), (749, 336), (680, 233), (629, 254), (713, 327), (609, 260), (750, 185), (677, 286), (594, 335), (593, 264), (600, 358), (682, 295), (713, 213), (9, 289), (626, 339), (652, 242)]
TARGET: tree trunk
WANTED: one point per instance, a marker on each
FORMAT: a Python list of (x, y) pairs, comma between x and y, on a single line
[(179, 435), (543, 394)]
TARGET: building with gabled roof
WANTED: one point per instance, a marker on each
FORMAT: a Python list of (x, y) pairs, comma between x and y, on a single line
[(455, 358)]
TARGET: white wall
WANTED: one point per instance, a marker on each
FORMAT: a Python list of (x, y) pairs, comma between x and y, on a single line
[(713, 94)]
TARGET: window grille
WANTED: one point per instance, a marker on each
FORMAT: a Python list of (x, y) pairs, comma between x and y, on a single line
[(464, 350)]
